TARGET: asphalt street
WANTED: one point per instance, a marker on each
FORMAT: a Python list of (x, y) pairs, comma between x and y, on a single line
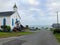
[(42, 37)]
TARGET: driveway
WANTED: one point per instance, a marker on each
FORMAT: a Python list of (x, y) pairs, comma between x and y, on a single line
[(42, 37)]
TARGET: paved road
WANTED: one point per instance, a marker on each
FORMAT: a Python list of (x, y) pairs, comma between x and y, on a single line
[(43, 37)]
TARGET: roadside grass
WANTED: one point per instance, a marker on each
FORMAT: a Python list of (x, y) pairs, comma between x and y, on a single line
[(57, 36), (13, 34)]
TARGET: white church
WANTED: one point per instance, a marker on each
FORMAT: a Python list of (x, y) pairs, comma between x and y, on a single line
[(9, 17)]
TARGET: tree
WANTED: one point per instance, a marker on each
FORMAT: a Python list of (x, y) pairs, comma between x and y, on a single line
[(56, 25), (36, 28), (27, 27), (56, 28)]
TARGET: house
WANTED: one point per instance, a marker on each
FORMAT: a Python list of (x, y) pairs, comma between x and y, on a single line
[(9, 17)]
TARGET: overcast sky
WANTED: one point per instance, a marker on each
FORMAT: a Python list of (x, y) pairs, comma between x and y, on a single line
[(34, 12)]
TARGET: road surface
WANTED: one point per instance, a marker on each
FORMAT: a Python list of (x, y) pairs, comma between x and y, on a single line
[(42, 37)]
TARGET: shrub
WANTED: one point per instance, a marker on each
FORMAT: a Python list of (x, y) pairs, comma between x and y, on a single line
[(56, 31), (39, 29), (36, 28), (1, 30), (27, 26), (6, 28), (52, 29), (3, 27)]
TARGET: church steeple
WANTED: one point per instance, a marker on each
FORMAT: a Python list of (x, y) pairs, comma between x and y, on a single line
[(15, 7)]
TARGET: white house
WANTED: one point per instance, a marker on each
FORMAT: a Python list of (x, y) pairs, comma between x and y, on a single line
[(9, 17)]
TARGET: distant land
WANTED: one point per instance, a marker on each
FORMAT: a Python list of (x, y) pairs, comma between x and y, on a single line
[(39, 26)]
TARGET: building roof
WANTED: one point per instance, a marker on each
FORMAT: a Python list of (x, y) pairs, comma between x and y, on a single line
[(15, 6), (8, 13)]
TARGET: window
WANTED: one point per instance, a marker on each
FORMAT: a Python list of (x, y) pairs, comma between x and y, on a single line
[(12, 22), (4, 21), (16, 19)]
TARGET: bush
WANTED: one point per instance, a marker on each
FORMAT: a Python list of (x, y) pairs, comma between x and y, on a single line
[(39, 29), (56, 31), (6, 28), (3, 27), (36, 28), (52, 29), (1, 30), (27, 27)]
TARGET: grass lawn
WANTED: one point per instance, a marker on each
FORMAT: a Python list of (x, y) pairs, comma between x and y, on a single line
[(57, 37), (11, 34)]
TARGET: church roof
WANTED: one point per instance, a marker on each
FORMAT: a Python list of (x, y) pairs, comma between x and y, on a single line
[(8, 13), (15, 6)]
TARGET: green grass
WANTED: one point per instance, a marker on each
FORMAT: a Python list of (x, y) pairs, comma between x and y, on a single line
[(57, 36), (12, 34)]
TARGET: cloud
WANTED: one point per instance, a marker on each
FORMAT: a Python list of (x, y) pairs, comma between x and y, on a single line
[(32, 16), (34, 12), (33, 2), (30, 2), (44, 14), (6, 5), (27, 18), (53, 5)]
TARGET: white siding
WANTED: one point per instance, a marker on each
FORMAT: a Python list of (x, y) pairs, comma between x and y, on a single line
[(7, 20), (14, 16)]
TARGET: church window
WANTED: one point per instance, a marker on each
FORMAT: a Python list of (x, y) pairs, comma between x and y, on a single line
[(16, 19), (12, 22), (4, 21)]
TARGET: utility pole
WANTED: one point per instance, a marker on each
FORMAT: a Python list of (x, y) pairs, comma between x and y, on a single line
[(57, 18)]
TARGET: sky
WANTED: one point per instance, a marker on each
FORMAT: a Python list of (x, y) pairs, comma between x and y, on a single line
[(34, 12)]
